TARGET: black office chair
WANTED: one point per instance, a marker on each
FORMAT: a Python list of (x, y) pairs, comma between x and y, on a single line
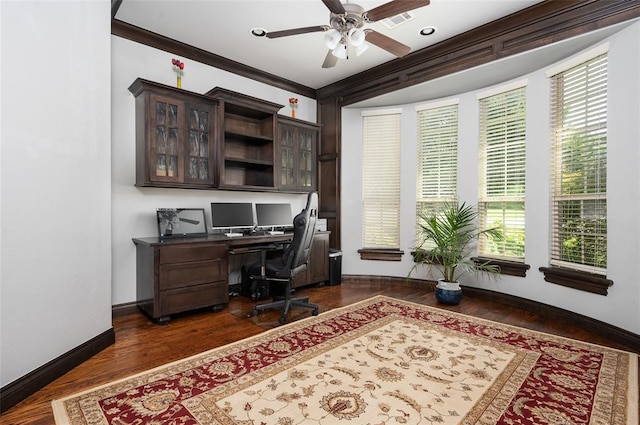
[(282, 271)]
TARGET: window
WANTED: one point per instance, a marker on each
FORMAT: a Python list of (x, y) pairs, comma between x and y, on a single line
[(437, 177), (579, 169), (502, 172), (381, 180)]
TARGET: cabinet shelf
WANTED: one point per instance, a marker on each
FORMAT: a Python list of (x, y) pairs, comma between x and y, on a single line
[(248, 138), (234, 161), (247, 141)]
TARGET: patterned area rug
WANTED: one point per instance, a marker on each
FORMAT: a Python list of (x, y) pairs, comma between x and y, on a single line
[(380, 361)]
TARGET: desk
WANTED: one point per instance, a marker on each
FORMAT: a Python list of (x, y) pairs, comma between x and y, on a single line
[(174, 275)]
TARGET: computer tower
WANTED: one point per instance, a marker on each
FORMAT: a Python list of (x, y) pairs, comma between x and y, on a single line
[(255, 290)]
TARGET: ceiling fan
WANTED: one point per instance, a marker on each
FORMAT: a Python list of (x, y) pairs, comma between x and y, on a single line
[(346, 28)]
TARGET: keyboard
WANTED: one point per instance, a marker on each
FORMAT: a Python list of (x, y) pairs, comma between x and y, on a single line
[(233, 235)]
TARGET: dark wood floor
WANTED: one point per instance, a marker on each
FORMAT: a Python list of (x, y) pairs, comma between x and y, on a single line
[(142, 345)]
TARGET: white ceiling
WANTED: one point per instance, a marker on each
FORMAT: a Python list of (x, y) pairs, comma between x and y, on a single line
[(223, 27)]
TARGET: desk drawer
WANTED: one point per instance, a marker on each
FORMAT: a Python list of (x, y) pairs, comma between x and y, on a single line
[(193, 297), (194, 273), (191, 252)]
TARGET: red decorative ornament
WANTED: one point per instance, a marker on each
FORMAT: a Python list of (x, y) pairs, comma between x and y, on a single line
[(178, 68), (293, 102)]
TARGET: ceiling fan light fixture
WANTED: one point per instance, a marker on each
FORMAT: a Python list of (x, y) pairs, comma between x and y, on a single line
[(340, 51), (332, 38), (356, 37)]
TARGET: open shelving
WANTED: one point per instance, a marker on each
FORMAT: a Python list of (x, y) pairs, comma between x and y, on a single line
[(247, 140)]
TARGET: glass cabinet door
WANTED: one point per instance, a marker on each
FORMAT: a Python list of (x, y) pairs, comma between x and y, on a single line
[(176, 137), (199, 135), (297, 154), (306, 158), (287, 156), (165, 139)]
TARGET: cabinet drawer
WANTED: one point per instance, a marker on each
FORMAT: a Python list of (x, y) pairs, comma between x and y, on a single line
[(189, 274), (193, 297), (185, 253)]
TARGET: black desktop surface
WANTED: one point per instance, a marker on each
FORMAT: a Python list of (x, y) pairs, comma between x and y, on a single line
[(244, 240)]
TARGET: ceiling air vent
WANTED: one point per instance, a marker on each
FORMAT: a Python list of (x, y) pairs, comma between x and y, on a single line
[(396, 20)]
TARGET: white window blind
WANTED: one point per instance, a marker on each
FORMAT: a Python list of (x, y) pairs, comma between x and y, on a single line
[(437, 176), (579, 172), (381, 181), (502, 172)]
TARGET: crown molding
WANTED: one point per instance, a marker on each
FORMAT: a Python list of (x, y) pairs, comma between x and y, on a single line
[(537, 26), (152, 39)]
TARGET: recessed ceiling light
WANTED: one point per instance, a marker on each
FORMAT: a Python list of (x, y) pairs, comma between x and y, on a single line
[(258, 32), (428, 31)]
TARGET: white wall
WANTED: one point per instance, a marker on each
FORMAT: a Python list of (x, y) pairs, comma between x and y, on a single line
[(134, 208), (621, 307), (55, 269)]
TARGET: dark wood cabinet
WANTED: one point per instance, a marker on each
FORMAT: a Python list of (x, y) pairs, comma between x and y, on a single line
[(296, 153), (222, 139), (183, 274), (175, 136), (247, 140), (180, 276)]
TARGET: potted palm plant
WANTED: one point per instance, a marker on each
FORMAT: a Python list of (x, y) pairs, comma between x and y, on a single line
[(444, 242)]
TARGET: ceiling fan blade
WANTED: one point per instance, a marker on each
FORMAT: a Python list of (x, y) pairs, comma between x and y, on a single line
[(330, 60), (296, 31), (335, 6), (393, 8), (389, 44)]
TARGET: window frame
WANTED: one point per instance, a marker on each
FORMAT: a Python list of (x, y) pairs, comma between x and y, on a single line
[(590, 278), (381, 190), (498, 136)]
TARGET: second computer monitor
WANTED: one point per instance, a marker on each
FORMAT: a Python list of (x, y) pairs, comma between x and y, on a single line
[(274, 216), (231, 215)]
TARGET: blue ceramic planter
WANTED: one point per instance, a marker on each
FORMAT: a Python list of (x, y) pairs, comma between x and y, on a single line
[(448, 296)]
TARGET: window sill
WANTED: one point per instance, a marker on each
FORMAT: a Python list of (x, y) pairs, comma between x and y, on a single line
[(510, 268), (575, 279), (380, 254)]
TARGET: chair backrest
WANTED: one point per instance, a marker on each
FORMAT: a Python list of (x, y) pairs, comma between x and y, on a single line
[(296, 254)]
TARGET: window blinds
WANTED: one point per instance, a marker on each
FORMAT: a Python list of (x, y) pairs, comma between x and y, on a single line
[(579, 172), (502, 172), (437, 175), (437, 154), (381, 181)]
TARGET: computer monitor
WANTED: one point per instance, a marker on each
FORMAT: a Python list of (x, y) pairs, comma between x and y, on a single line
[(231, 216), (274, 216), (181, 222)]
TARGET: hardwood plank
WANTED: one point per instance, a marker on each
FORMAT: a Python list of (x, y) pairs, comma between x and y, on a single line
[(141, 344)]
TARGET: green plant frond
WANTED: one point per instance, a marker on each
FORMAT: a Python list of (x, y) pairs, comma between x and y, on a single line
[(450, 231)]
